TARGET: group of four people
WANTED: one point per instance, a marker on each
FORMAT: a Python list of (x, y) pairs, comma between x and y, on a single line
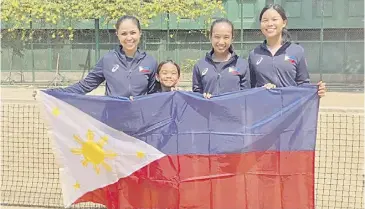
[(129, 72)]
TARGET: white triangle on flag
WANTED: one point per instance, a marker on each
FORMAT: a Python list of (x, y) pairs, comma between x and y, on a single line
[(91, 154)]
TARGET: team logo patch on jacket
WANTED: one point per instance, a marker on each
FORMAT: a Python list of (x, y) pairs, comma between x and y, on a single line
[(143, 69), (290, 59), (233, 70)]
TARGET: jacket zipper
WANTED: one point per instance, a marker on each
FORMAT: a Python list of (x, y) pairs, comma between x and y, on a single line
[(218, 88), (272, 64), (131, 67)]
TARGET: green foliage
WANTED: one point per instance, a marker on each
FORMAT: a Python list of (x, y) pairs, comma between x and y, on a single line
[(187, 65), (18, 14)]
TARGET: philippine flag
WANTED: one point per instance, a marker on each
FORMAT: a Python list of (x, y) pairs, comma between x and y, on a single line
[(291, 59), (251, 149), (233, 70), (144, 69)]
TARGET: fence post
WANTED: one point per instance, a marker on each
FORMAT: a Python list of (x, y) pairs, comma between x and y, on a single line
[(97, 40), (321, 44), (241, 8), (50, 53), (168, 35), (32, 52)]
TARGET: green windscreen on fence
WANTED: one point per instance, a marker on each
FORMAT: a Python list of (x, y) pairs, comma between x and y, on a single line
[(333, 55), (29, 173)]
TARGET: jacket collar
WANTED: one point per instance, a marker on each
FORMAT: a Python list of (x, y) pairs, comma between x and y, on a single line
[(234, 56)]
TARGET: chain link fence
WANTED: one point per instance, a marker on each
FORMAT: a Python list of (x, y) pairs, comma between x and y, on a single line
[(331, 33)]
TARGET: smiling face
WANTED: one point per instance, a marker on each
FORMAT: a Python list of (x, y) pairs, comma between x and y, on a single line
[(272, 23), (129, 35), (221, 37), (168, 75)]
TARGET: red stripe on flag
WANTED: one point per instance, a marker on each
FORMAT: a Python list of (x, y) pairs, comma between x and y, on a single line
[(259, 180)]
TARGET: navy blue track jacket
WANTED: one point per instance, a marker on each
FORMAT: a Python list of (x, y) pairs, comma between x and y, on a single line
[(124, 76), (219, 78), (288, 67)]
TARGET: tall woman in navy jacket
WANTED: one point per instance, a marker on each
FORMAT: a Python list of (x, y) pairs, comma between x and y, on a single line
[(221, 70), (277, 61), (127, 70)]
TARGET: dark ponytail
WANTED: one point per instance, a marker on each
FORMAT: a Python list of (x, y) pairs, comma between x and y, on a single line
[(285, 36), (285, 33)]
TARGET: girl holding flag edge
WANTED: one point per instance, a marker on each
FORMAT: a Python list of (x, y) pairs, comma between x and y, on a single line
[(278, 62)]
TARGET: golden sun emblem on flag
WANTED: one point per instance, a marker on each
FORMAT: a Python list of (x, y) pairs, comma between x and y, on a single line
[(93, 151)]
